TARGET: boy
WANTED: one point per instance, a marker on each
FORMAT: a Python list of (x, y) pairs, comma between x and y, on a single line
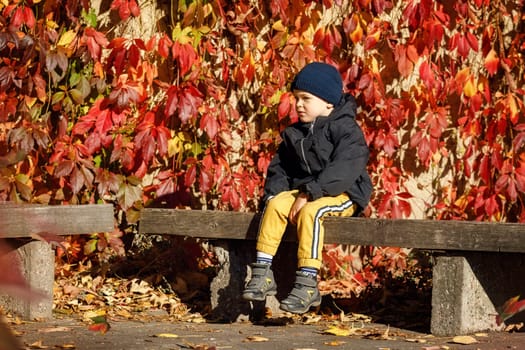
[(319, 170)]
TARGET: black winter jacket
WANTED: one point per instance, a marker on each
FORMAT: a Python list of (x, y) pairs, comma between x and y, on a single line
[(324, 158)]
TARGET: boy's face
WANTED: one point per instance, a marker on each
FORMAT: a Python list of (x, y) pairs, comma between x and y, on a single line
[(309, 106)]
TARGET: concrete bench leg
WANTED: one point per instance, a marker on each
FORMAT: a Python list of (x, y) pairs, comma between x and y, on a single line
[(468, 287), (226, 288), (37, 261)]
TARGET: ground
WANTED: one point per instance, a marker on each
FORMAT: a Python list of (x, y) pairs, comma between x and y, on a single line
[(285, 333)]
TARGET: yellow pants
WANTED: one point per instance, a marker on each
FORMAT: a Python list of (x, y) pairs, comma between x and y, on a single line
[(310, 230)]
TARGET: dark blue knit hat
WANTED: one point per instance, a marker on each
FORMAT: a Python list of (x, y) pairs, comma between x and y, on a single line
[(320, 79)]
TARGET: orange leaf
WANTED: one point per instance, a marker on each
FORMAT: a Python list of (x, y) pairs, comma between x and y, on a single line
[(412, 53), (492, 62), (513, 108), (469, 89), (357, 33)]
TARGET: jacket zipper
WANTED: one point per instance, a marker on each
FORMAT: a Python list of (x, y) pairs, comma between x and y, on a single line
[(311, 130)]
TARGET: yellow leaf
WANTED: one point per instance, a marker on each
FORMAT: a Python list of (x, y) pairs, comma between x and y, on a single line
[(464, 340), (470, 87), (182, 35), (341, 332), (30, 101), (51, 24), (89, 315), (174, 146), (278, 26), (90, 298), (166, 335), (38, 345), (335, 343), (255, 338), (67, 38)]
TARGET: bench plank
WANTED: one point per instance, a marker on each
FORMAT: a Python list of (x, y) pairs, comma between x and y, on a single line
[(199, 224), (35, 257), (27, 219), (422, 234)]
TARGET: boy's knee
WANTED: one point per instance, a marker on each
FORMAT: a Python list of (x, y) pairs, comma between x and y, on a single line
[(306, 213)]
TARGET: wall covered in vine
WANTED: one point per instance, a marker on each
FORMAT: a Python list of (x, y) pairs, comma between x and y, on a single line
[(180, 103)]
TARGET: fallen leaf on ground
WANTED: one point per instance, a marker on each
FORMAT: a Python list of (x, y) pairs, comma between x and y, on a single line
[(99, 327), (514, 327), (199, 346), (38, 345), (311, 319), (416, 340), (66, 346), (481, 334), (54, 329), (464, 340), (335, 343), (166, 335), (339, 331), (140, 287), (354, 317), (256, 338), (100, 324), (92, 314), (195, 318)]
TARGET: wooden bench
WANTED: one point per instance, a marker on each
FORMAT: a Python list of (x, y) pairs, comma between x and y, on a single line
[(20, 223), (477, 265)]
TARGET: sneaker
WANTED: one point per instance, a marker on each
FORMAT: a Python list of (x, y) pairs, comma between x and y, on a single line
[(303, 296), (261, 284)]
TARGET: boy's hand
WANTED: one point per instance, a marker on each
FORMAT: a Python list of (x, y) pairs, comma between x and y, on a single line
[(299, 203)]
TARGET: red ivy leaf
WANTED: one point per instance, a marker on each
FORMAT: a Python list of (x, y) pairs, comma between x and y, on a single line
[(134, 8), (164, 46), (404, 65), (510, 308), (185, 55), (186, 100), (64, 168), (463, 45), (209, 124), (191, 173), (29, 17), (95, 42), (100, 325), (284, 106), (104, 123), (18, 17), (473, 41)]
